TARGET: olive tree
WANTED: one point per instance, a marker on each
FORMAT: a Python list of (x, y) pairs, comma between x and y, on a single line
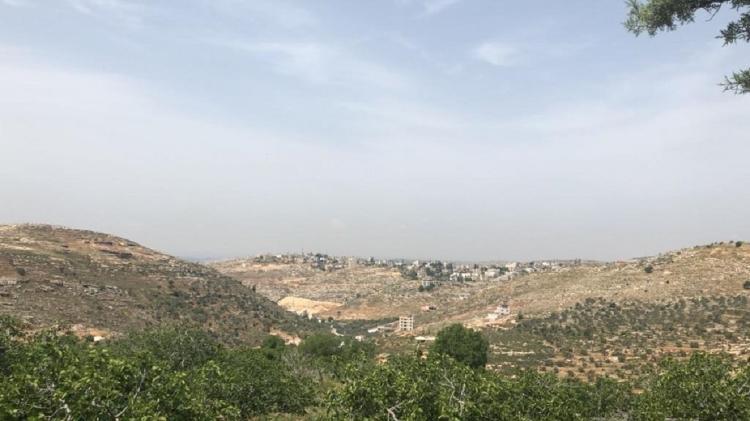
[(462, 344)]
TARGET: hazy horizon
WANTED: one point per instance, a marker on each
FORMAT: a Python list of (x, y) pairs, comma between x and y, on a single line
[(464, 130)]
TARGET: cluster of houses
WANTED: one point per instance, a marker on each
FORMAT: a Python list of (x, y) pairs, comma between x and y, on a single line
[(318, 261), (430, 273), (327, 262)]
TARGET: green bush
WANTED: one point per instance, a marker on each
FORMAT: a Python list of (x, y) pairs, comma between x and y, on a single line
[(441, 388), (703, 387), (329, 346), (184, 374), (177, 347), (462, 344), (162, 374), (247, 380)]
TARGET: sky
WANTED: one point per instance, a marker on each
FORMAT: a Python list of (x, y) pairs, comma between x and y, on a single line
[(447, 129)]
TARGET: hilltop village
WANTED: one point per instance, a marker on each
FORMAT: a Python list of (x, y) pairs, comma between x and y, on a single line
[(429, 272), (322, 286)]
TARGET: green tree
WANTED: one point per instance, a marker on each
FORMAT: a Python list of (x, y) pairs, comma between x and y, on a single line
[(464, 345), (652, 16), (329, 346), (440, 388), (705, 387), (166, 373), (10, 330), (178, 347), (247, 380), (272, 347), (322, 345), (407, 388)]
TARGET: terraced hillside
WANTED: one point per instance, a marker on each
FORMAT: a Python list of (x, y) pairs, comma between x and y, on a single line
[(101, 285)]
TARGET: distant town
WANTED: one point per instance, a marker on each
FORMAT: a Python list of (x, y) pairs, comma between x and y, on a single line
[(430, 272)]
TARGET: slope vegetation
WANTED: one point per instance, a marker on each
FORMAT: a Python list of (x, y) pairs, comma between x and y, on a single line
[(100, 285)]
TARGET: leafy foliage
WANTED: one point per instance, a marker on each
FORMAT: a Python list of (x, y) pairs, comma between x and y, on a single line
[(441, 388), (462, 344), (704, 387), (184, 374), (328, 346), (165, 373), (653, 16)]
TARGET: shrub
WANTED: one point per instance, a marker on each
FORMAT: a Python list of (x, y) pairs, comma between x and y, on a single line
[(441, 388), (464, 345), (247, 380), (177, 347), (162, 374), (321, 345), (328, 346), (703, 387), (272, 347), (746, 285), (648, 269)]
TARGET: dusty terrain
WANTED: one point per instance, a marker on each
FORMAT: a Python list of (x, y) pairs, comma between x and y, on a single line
[(378, 293), (594, 318), (101, 285), (613, 318), (359, 291)]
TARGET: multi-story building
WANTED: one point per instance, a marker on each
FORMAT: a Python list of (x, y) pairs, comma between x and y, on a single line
[(406, 323)]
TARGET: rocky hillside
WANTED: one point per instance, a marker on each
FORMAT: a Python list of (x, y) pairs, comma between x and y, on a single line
[(718, 269), (329, 293), (99, 284)]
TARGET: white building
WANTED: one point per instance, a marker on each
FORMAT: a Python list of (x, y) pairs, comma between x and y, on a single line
[(406, 323)]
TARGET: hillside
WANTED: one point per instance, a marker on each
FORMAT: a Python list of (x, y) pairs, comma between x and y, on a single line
[(344, 293), (718, 269), (379, 293), (102, 285)]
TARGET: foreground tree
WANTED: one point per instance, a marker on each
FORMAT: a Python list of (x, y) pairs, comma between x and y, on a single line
[(168, 373), (462, 344), (440, 388), (705, 387), (653, 16)]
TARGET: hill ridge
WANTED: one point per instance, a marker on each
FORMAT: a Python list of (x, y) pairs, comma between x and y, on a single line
[(52, 274)]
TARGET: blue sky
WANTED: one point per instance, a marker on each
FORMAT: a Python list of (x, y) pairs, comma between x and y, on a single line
[(460, 129)]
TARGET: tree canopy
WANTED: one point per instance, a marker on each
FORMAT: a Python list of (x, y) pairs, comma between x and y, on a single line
[(184, 374), (462, 344), (652, 16)]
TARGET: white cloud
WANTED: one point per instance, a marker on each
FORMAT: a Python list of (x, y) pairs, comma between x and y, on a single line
[(126, 12), (497, 54), (321, 63), (429, 7), (15, 3), (432, 7), (276, 11), (516, 53)]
